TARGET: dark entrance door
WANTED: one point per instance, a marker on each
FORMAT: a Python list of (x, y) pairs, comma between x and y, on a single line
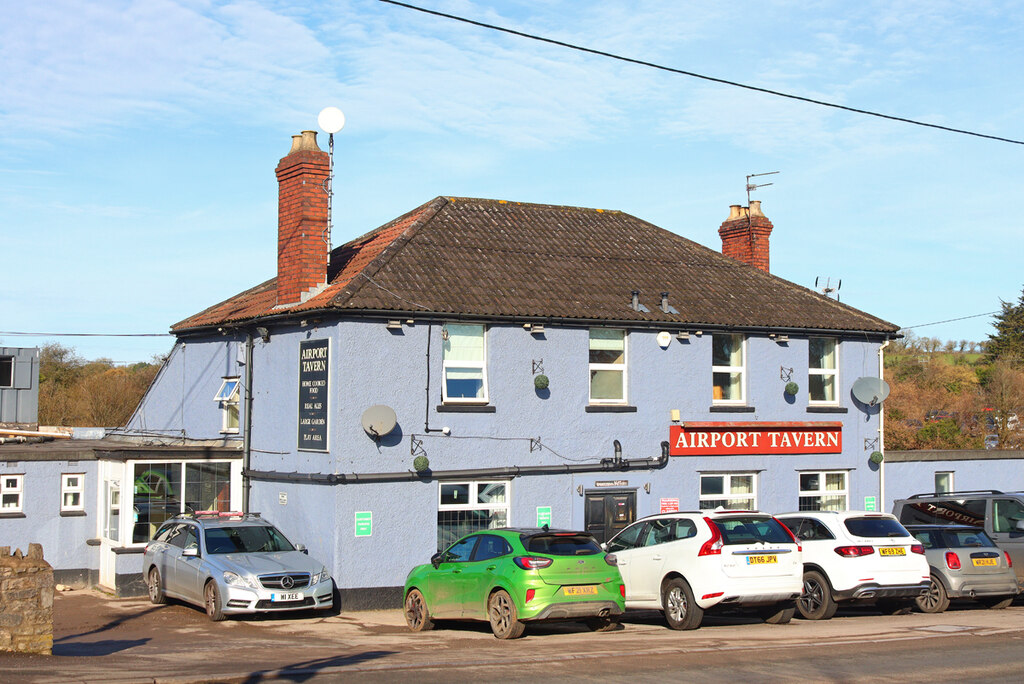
[(608, 512)]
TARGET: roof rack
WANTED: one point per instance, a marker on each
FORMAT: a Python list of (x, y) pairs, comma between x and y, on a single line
[(966, 491), (230, 515)]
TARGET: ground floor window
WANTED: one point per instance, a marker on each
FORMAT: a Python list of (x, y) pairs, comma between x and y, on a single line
[(824, 491), (728, 490), (163, 490), (465, 507), (11, 490), (72, 488)]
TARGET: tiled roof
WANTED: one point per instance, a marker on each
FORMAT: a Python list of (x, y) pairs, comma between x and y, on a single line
[(493, 258)]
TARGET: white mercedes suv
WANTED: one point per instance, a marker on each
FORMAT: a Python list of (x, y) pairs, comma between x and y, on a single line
[(684, 563), (857, 556)]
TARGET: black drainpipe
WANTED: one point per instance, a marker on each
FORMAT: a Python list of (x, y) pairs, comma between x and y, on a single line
[(247, 435), (605, 465)]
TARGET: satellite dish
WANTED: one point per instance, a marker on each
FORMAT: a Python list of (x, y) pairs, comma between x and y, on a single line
[(379, 420), (870, 391), (331, 120)]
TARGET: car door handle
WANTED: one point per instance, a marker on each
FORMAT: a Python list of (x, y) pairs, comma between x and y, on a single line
[(491, 567), (657, 558), (456, 571)]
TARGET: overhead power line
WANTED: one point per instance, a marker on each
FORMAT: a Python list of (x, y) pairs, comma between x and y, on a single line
[(50, 334), (951, 320), (682, 72)]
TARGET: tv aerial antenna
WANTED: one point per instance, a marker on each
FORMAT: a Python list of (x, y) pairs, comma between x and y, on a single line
[(754, 186), (331, 120), (826, 288)]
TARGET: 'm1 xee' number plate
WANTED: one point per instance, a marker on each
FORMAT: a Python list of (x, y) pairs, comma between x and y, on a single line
[(291, 596)]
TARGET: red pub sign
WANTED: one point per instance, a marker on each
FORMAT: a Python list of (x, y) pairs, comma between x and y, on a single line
[(719, 439)]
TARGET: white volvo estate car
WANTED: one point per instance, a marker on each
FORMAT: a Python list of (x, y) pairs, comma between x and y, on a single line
[(857, 556), (684, 563)]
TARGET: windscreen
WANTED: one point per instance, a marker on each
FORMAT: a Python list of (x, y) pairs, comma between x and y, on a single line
[(875, 527), (751, 529), (562, 545), (246, 539)]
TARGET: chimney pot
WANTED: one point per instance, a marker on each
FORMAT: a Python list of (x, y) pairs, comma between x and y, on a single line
[(308, 143), (755, 208), (296, 144), (734, 212)]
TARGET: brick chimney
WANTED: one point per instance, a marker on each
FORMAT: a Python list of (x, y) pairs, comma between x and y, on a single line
[(302, 240), (745, 235)]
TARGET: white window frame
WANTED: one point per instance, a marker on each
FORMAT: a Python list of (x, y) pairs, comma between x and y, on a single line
[(726, 490), (619, 367), (824, 372), (473, 497), (12, 484), (447, 364), (228, 399), (822, 491), (950, 474), (741, 370), (67, 488)]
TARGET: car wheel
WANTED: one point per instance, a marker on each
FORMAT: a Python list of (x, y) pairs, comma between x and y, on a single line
[(935, 600), (996, 603), (211, 599), (816, 603), (681, 611), (416, 614), (501, 611), (779, 614), (602, 624), (898, 606), (156, 588)]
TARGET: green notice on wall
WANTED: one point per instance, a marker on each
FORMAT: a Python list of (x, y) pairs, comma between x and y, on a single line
[(543, 516), (364, 524), (870, 503)]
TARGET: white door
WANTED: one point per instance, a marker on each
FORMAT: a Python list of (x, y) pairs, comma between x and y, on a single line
[(110, 529)]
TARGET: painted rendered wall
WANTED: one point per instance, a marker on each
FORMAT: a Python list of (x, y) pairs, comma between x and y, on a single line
[(63, 537), (918, 477)]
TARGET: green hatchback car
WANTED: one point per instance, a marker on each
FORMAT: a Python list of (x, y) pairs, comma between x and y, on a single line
[(514, 576)]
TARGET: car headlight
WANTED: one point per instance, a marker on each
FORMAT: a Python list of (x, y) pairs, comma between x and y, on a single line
[(321, 576), (235, 580)]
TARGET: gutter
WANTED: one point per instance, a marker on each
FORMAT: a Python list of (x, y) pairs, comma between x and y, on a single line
[(604, 465)]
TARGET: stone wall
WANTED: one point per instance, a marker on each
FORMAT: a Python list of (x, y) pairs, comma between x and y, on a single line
[(26, 601)]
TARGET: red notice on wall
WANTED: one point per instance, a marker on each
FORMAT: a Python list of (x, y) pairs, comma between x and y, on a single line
[(669, 505), (720, 439)]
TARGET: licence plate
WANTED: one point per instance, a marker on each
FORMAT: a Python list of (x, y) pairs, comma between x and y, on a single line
[(292, 596), (762, 559), (978, 562), (585, 590), (892, 551)]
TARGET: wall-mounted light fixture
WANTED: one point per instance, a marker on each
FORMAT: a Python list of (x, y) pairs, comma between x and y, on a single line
[(394, 325), (674, 414), (682, 335), (533, 328), (263, 333)]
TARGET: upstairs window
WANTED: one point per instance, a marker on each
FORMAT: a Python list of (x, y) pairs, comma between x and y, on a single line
[(823, 370), (227, 397), (727, 369), (607, 366), (464, 364)]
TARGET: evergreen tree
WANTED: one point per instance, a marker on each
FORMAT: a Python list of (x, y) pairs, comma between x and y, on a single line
[(1008, 341)]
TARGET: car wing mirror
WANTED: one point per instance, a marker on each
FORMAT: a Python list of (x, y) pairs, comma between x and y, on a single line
[(1019, 525), (301, 548), (437, 559), (191, 552), (604, 546)]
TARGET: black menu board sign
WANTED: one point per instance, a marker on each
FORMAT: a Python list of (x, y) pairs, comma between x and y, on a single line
[(314, 364)]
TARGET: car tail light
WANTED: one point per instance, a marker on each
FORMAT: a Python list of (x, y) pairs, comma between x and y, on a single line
[(610, 559), (1009, 563), (622, 590), (530, 593), (799, 547), (952, 560), (854, 551), (531, 562), (917, 548), (713, 546)]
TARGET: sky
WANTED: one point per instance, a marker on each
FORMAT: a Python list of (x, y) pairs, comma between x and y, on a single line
[(138, 141)]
